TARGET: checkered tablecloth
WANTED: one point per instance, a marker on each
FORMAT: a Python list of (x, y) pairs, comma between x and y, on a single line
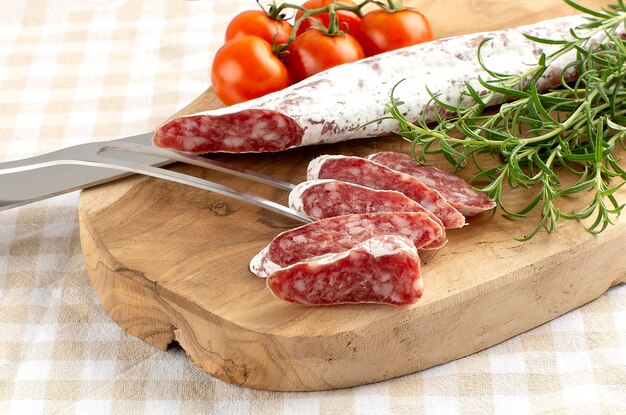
[(76, 71)]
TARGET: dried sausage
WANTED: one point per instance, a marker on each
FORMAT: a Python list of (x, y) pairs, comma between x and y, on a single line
[(454, 190), (340, 233), (341, 103), (326, 198), (383, 269), (376, 176)]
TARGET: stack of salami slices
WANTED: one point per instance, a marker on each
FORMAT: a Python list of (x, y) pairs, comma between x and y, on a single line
[(373, 214)]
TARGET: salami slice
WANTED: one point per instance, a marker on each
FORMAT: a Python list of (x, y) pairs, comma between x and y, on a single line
[(376, 176), (341, 103), (338, 234), (384, 269), (326, 198), (455, 190)]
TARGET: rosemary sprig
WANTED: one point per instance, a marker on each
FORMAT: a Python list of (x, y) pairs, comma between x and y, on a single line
[(539, 138)]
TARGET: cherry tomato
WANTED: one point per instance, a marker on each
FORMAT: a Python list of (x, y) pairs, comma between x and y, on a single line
[(382, 31), (259, 24), (352, 20), (245, 68), (315, 51)]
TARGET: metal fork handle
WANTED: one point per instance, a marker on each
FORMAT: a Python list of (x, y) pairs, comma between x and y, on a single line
[(172, 176)]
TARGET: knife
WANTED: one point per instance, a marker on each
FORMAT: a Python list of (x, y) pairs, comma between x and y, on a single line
[(23, 187)]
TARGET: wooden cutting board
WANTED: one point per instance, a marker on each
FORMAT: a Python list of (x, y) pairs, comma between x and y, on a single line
[(170, 263)]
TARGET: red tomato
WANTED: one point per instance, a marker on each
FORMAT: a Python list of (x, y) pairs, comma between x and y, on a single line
[(245, 68), (382, 31), (352, 20), (259, 24), (315, 51)]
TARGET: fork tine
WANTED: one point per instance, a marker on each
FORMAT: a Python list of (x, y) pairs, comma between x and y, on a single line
[(204, 184), (172, 176), (197, 161)]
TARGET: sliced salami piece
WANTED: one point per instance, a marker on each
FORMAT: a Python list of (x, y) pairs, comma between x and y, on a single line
[(326, 198), (384, 269), (341, 103), (376, 176), (455, 190), (338, 234)]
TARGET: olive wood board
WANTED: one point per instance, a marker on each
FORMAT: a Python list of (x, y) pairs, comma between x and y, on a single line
[(170, 263)]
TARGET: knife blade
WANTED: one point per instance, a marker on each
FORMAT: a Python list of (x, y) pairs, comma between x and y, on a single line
[(20, 188)]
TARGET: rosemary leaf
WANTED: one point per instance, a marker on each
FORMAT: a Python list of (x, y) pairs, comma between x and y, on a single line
[(560, 143)]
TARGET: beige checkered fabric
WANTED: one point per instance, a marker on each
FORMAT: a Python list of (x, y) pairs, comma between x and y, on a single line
[(75, 71)]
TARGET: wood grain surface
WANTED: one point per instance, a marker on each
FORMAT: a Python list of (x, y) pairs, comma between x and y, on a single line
[(171, 263)]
